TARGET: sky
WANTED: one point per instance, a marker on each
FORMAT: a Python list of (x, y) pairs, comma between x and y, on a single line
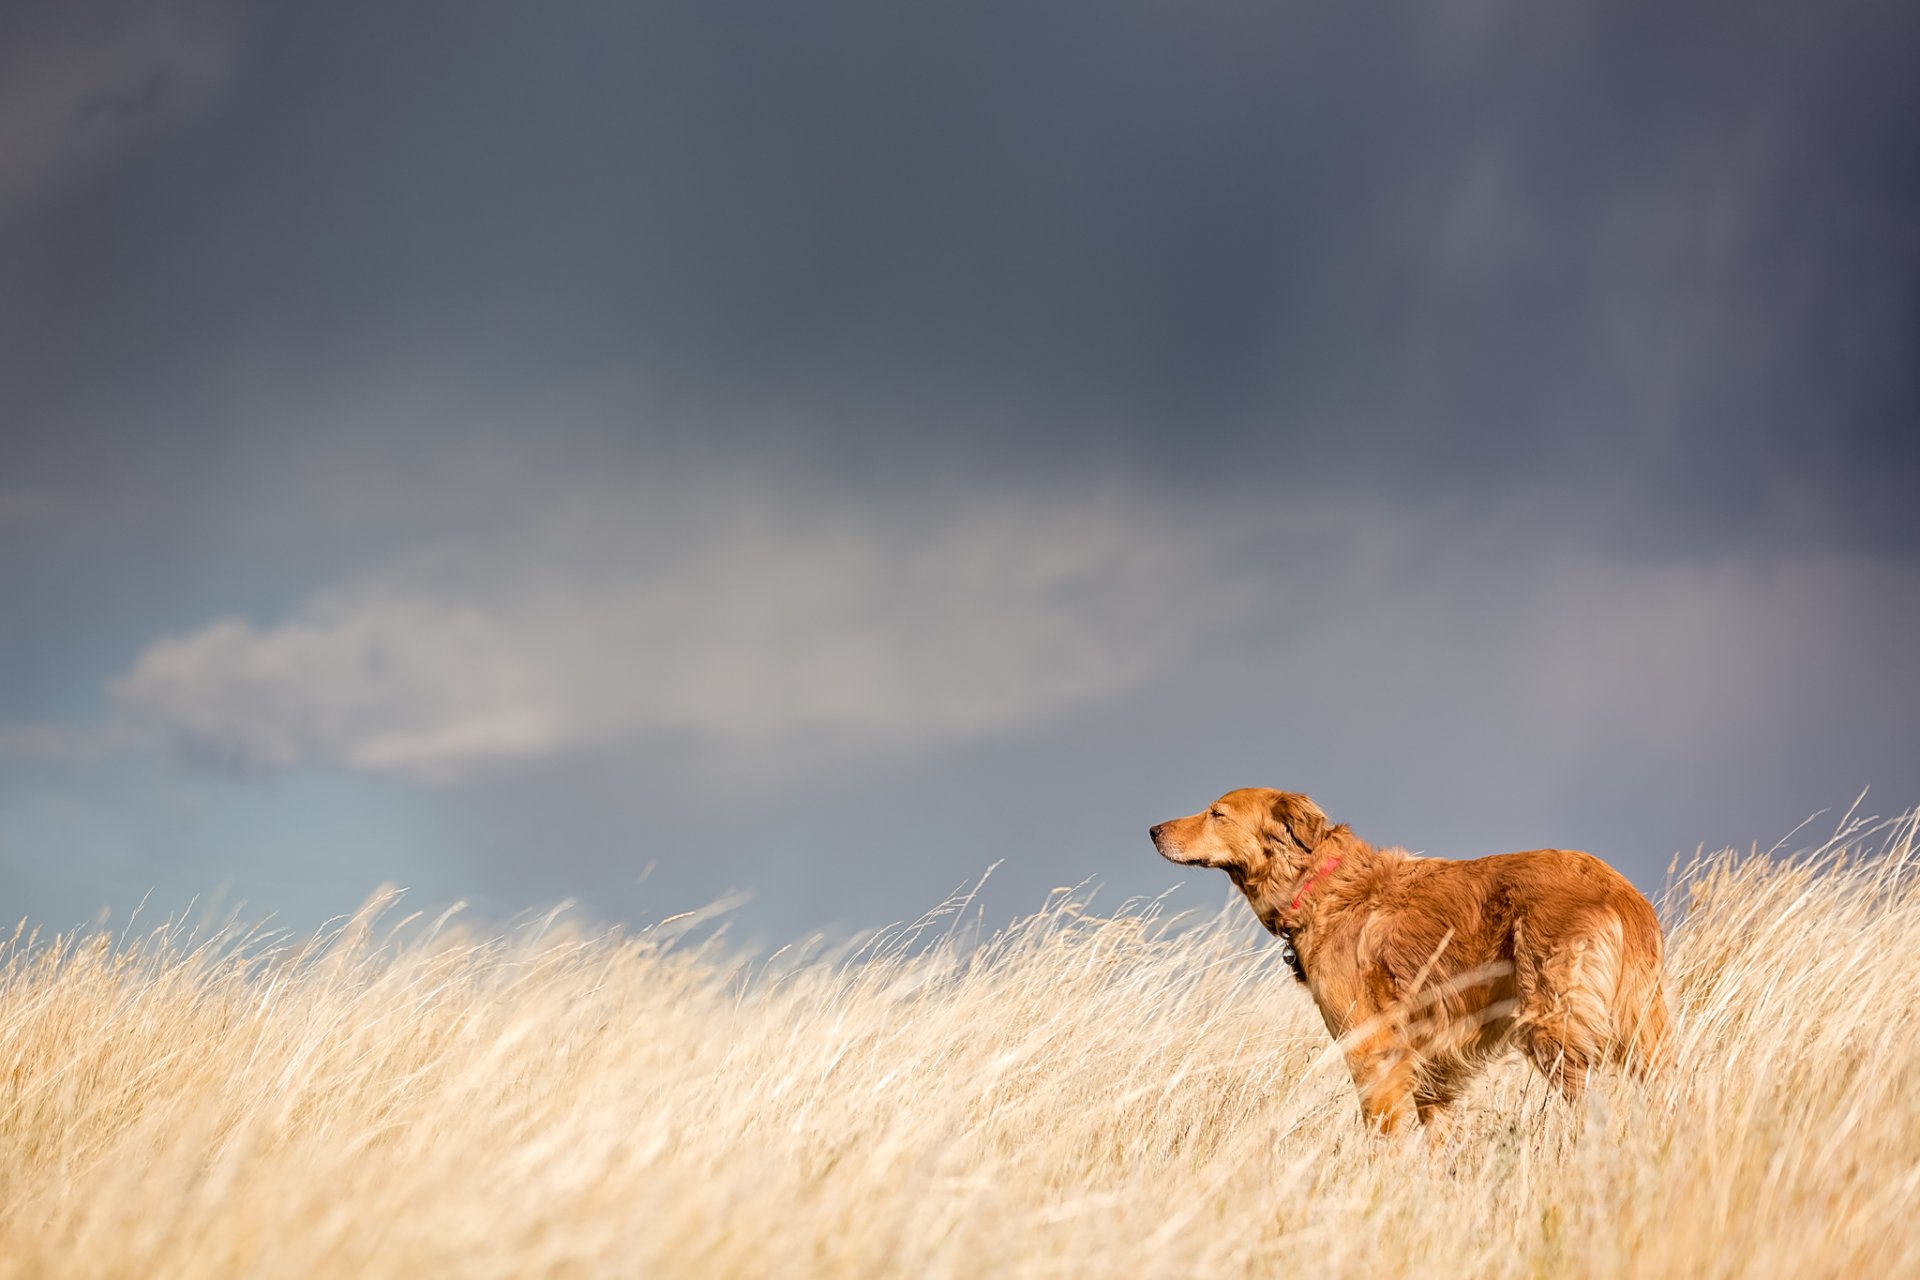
[(646, 454)]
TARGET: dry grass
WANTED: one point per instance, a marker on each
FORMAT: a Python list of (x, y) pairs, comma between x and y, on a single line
[(1081, 1094)]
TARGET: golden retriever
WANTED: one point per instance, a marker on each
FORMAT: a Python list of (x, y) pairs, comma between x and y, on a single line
[(1426, 969)]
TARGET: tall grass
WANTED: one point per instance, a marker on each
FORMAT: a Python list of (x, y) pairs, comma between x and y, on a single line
[(1081, 1094)]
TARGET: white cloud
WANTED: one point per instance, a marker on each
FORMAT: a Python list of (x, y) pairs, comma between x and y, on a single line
[(742, 619), (734, 618)]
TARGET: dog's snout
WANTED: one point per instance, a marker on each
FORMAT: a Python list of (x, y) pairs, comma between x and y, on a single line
[(1155, 830)]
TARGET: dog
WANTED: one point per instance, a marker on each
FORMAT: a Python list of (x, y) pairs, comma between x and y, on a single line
[(1427, 969)]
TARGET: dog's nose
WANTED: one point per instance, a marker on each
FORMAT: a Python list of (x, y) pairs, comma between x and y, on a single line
[(1155, 831)]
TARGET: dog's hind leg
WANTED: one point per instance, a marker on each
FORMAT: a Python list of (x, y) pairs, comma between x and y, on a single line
[(1645, 1045), (1564, 1065), (1433, 1100), (1564, 1023)]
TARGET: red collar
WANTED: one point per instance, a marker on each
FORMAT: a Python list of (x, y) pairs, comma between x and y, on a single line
[(1320, 873)]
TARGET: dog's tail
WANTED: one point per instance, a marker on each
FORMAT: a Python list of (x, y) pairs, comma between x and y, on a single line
[(1643, 1041)]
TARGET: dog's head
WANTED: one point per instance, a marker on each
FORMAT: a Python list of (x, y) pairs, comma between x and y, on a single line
[(1250, 834)]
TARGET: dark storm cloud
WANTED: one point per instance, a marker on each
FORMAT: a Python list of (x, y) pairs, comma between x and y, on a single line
[(1658, 262), (80, 83)]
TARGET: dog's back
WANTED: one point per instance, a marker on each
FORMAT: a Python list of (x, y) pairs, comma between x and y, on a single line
[(1550, 951), (1586, 951)]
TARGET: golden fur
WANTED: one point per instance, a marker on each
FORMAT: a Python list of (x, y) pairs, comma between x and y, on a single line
[(1427, 969)]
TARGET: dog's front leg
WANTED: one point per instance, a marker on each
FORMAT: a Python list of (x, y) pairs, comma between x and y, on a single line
[(1382, 1067)]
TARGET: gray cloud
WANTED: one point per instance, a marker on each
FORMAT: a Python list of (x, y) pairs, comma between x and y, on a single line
[(46, 742), (79, 83), (27, 508), (739, 617), (1656, 263)]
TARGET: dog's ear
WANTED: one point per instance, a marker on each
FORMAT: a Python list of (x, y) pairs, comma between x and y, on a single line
[(1302, 819)]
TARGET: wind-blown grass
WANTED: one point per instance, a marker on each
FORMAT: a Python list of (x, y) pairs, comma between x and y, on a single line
[(1081, 1094)]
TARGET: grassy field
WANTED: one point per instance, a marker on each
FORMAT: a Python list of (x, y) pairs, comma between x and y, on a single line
[(1084, 1093)]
